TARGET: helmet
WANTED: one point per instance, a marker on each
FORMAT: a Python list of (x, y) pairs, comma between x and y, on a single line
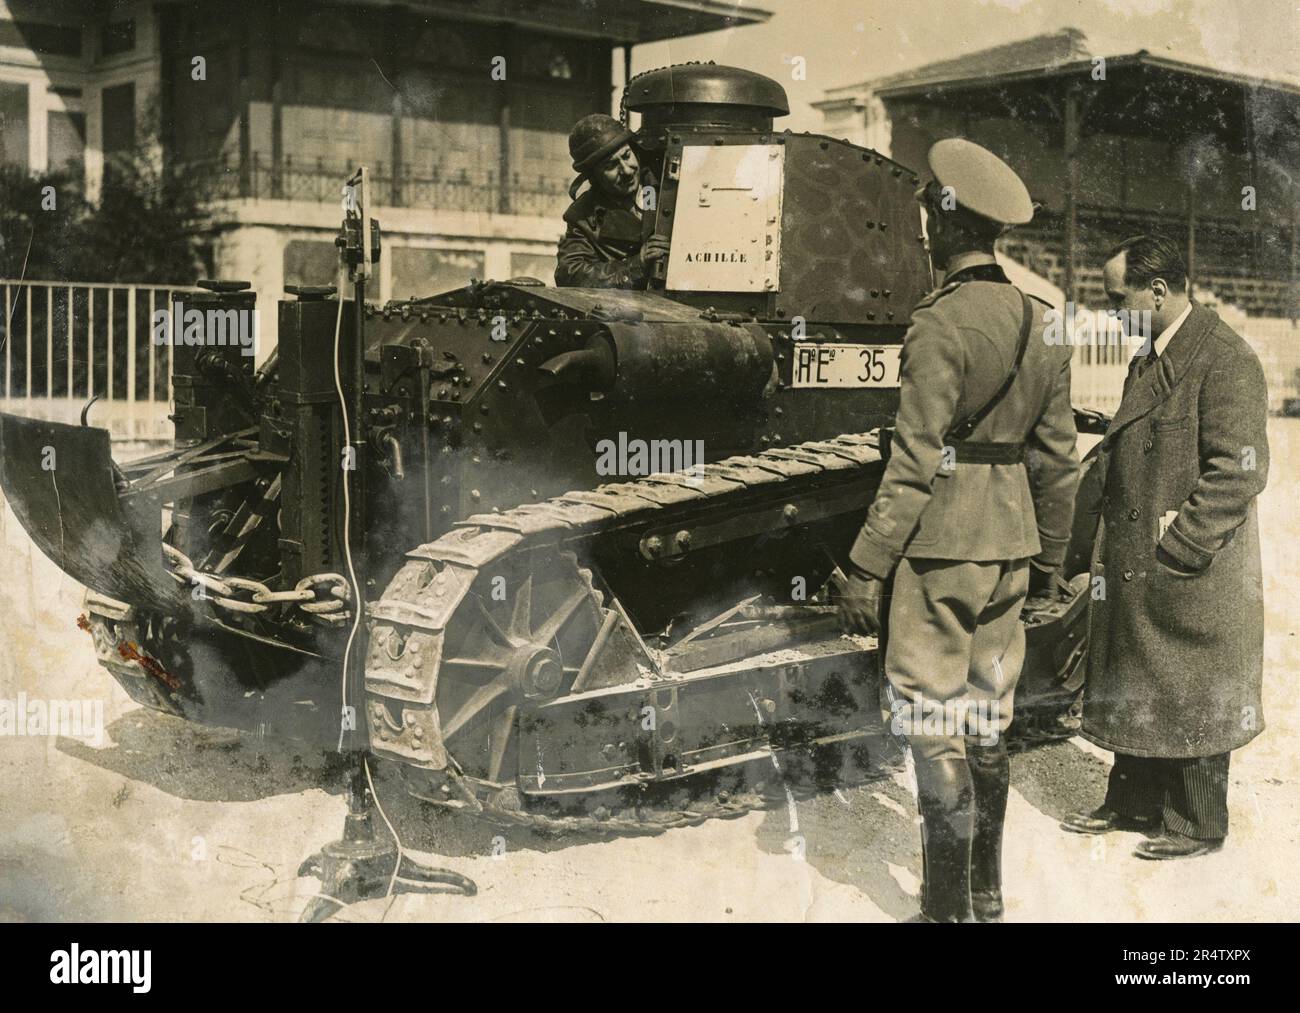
[(594, 138)]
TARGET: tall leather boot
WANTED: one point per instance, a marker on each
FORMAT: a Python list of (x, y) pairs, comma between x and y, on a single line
[(990, 774), (944, 796)]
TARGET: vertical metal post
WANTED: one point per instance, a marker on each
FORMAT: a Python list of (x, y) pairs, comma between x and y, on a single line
[(153, 364), (28, 374), (49, 342), (394, 31), (90, 341), (71, 346), (9, 327), (247, 180), (171, 344), (356, 674), (503, 128), (130, 345), (276, 25), (1071, 186), (108, 359)]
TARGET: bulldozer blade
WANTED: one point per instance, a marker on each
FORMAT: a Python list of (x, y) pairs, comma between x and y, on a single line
[(59, 481)]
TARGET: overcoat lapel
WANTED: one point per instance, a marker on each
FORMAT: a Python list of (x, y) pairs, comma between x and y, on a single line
[(1144, 393)]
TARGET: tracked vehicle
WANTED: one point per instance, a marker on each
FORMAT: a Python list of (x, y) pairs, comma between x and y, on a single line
[(402, 536)]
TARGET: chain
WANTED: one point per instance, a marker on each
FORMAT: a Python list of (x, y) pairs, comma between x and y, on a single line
[(321, 596)]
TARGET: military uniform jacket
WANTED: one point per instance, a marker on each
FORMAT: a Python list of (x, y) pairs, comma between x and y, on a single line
[(601, 245), (1175, 650), (957, 353)]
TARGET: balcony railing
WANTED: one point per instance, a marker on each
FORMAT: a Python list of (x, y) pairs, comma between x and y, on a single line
[(320, 181)]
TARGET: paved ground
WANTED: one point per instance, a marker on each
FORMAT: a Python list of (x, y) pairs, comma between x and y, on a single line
[(165, 821)]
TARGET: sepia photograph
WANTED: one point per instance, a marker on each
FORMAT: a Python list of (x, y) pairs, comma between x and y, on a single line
[(650, 461)]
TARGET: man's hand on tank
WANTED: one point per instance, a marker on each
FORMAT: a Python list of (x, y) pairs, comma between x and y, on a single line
[(654, 248), (860, 602)]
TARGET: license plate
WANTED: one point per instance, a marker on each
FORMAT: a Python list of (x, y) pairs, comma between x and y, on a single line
[(847, 365)]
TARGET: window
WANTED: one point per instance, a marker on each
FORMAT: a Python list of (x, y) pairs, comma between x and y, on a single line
[(67, 141), (552, 60), (119, 118), (13, 124), (50, 40), (559, 67), (118, 37)]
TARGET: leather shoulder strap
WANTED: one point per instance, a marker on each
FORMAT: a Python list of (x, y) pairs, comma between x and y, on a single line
[(967, 426), (930, 298)]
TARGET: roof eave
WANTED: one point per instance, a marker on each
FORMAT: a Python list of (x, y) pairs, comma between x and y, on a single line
[(1140, 58)]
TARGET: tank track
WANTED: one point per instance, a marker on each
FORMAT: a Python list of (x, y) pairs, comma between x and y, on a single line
[(423, 596), (426, 592)]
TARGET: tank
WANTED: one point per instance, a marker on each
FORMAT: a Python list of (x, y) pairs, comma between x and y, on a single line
[(566, 557)]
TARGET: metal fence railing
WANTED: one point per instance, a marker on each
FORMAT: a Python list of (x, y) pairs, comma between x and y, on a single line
[(82, 339), (410, 186), (1097, 374), (1097, 371)]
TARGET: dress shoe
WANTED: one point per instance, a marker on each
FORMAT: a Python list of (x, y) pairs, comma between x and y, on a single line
[(1172, 845), (1104, 820)]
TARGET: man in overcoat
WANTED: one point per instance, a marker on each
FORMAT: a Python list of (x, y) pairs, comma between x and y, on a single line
[(1176, 628)]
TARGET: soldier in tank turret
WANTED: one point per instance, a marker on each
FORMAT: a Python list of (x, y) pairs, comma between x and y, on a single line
[(603, 243)]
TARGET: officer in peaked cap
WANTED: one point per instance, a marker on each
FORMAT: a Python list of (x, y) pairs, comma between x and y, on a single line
[(973, 513), (602, 245)]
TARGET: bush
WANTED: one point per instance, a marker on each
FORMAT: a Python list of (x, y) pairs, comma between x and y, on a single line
[(35, 243), (149, 225)]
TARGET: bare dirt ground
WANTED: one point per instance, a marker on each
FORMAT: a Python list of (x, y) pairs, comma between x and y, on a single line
[(165, 821)]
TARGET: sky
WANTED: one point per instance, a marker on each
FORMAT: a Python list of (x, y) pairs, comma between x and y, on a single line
[(848, 41)]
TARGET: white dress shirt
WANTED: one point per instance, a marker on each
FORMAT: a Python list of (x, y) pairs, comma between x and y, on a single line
[(1162, 342)]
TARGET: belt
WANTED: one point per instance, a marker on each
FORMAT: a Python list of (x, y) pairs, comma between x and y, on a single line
[(967, 451), (973, 452)]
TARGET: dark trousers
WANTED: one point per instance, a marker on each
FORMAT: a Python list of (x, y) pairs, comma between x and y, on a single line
[(1190, 796)]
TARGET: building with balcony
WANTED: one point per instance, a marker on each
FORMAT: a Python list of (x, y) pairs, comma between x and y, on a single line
[(460, 108)]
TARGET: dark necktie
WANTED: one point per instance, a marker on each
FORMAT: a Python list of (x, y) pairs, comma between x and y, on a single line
[(1148, 361)]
